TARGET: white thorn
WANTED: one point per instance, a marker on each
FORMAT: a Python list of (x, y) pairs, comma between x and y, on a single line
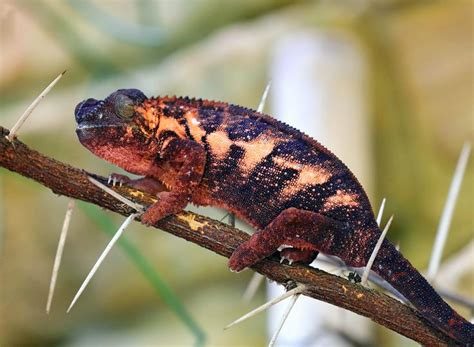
[(116, 195), (32, 106), (109, 180), (380, 213), (102, 257), (252, 287), (298, 290), (263, 100), (283, 319), (365, 275), (59, 253), (232, 220), (447, 215), (220, 220)]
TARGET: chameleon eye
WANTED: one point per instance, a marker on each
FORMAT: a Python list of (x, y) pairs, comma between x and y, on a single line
[(124, 106)]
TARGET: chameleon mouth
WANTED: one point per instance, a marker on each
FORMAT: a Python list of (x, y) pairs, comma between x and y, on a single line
[(87, 131), (88, 126), (94, 126), (93, 129)]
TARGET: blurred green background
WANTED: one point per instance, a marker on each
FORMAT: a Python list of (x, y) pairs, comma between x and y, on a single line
[(420, 100)]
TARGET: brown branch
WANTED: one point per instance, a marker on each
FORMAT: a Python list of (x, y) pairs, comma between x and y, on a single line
[(222, 239)]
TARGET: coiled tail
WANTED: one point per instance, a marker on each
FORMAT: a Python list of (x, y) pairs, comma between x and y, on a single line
[(398, 271)]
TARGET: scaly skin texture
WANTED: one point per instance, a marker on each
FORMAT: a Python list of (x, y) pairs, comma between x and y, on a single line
[(293, 191)]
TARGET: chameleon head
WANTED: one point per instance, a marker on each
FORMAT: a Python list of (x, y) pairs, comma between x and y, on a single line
[(113, 129)]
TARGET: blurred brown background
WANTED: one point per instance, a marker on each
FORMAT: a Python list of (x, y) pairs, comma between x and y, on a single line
[(418, 93)]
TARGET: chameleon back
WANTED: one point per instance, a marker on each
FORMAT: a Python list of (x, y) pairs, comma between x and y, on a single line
[(258, 167)]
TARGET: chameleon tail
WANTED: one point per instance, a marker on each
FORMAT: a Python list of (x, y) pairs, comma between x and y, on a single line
[(398, 271)]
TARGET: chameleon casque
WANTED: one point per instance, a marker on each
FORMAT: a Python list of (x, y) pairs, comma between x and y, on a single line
[(299, 196)]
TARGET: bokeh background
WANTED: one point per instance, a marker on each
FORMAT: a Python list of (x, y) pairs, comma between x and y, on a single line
[(392, 78)]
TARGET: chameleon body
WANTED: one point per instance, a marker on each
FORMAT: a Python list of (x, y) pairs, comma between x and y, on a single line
[(299, 196)]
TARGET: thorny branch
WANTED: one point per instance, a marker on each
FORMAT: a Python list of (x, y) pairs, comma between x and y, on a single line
[(222, 239)]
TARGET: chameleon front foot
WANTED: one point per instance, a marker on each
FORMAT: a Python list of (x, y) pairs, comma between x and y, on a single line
[(119, 179), (146, 184), (168, 203)]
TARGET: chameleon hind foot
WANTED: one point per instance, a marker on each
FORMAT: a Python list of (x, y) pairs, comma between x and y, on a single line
[(168, 203), (301, 229)]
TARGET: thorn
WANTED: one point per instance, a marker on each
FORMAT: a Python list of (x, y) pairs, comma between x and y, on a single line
[(298, 290), (252, 287), (31, 108), (101, 258), (365, 275), (109, 180), (263, 100), (137, 207), (232, 220), (59, 253), (380, 213), (447, 215), (283, 319), (220, 220)]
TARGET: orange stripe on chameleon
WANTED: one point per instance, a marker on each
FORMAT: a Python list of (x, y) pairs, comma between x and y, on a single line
[(219, 144), (149, 114), (194, 125), (341, 198), (172, 124), (255, 151), (307, 175)]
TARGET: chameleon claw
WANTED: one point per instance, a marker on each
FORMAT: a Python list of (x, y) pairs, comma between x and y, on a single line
[(289, 260)]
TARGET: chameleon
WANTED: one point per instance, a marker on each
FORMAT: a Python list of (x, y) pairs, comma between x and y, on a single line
[(300, 198)]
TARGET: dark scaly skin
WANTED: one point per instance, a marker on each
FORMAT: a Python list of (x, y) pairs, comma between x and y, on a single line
[(297, 194)]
